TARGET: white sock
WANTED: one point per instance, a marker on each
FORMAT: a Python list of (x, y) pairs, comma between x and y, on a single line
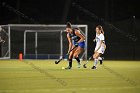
[(95, 62), (99, 58)]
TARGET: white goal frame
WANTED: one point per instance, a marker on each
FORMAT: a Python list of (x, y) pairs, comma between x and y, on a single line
[(61, 37), (61, 29)]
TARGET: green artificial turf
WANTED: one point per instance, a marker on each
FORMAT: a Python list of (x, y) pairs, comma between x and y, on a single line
[(43, 76)]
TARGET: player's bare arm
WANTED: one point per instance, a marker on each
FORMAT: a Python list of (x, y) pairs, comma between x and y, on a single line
[(77, 32), (70, 42)]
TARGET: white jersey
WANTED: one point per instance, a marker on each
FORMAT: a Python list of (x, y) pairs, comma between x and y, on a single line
[(98, 41)]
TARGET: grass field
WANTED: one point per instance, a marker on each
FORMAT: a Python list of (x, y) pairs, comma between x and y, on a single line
[(43, 76)]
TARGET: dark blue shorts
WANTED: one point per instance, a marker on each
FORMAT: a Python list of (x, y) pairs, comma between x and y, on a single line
[(81, 44)]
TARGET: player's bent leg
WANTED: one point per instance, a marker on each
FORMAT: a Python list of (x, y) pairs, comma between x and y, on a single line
[(101, 51), (70, 59), (101, 60), (77, 52), (95, 56), (95, 60)]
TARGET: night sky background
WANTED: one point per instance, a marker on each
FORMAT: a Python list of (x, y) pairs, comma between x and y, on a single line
[(123, 14), (54, 11)]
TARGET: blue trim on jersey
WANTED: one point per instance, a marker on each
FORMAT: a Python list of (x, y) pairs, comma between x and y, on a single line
[(81, 44)]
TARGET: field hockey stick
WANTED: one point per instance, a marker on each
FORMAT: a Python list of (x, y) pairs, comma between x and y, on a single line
[(87, 62), (94, 40), (56, 62)]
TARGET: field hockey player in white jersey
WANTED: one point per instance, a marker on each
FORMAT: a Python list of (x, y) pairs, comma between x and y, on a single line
[(100, 45)]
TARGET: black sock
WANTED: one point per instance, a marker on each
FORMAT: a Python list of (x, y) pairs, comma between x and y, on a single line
[(78, 60), (101, 61), (70, 62)]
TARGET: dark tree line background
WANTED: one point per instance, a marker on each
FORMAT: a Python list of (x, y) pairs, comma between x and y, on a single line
[(119, 18)]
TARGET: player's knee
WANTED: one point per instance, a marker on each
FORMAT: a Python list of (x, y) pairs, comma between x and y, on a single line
[(94, 57), (70, 56), (75, 55)]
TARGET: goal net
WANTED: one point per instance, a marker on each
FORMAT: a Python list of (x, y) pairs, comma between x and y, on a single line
[(4, 42), (42, 41)]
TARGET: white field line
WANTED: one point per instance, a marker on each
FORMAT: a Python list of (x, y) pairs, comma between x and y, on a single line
[(68, 89)]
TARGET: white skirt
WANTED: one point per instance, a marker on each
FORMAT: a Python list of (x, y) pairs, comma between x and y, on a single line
[(101, 50)]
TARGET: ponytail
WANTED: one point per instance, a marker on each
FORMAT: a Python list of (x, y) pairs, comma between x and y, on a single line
[(100, 28)]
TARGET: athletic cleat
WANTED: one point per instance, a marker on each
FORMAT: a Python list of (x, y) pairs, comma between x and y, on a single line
[(84, 66), (93, 67), (68, 67)]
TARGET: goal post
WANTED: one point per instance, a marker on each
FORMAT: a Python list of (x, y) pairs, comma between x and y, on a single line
[(51, 29), (36, 40), (40, 41)]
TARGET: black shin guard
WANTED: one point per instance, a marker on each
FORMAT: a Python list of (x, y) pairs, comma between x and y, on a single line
[(101, 61), (70, 62), (78, 60)]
